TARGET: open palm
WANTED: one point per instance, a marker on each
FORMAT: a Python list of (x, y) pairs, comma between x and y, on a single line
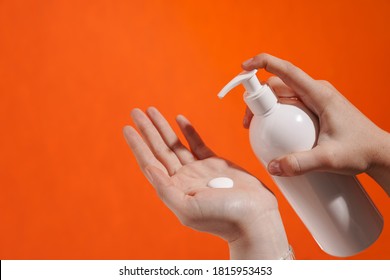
[(180, 176)]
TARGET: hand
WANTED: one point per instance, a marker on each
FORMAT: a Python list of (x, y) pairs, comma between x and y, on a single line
[(348, 142), (246, 215)]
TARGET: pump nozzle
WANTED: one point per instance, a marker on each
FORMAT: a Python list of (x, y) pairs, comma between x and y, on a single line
[(259, 98), (247, 78)]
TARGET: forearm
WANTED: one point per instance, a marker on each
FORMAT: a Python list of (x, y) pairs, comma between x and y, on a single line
[(264, 239), (380, 167)]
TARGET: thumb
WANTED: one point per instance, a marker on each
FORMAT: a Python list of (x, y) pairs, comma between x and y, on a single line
[(299, 163)]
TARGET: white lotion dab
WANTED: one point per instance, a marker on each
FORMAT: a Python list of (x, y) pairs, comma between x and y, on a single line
[(220, 183)]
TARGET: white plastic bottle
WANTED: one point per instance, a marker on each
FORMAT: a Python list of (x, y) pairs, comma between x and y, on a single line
[(335, 208)]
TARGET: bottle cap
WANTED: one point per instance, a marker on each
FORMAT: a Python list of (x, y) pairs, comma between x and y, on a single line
[(259, 98)]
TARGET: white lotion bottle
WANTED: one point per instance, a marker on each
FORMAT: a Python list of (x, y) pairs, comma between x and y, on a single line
[(334, 208)]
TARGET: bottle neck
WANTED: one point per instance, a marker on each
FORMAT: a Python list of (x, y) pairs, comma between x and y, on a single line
[(261, 101)]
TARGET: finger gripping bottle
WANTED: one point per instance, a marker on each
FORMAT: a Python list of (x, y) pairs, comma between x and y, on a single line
[(334, 208)]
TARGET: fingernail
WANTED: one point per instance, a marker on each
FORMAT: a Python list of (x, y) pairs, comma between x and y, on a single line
[(247, 62), (274, 168)]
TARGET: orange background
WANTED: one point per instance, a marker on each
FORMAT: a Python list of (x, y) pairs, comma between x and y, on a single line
[(71, 71)]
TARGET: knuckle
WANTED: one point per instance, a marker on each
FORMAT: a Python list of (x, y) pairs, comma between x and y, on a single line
[(326, 89), (289, 67), (261, 58), (291, 166), (286, 69), (326, 84), (329, 160)]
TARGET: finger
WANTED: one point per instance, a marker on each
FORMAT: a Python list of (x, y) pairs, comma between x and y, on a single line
[(198, 147), (280, 88), (247, 117), (306, 88), (172, 196), (301, 162), (169, 136), (157, 145), (327, 84), (143, 154)]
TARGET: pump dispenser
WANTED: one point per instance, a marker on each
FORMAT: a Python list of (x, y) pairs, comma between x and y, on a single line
[(334, 208), (259, 98)]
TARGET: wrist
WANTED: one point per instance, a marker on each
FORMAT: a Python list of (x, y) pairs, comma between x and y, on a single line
[(265, 238), (379, 168)]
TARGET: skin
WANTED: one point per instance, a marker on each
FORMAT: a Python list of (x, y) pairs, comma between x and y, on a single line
[(348, 142), (246, 216)]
